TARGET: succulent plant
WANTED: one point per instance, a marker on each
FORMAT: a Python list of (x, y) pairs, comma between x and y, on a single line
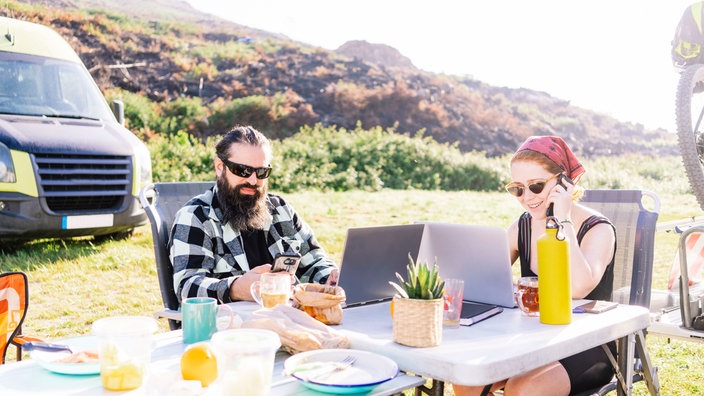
[(423, 282)]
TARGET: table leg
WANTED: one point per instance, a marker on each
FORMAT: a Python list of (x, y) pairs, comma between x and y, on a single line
[(627, 347), (436, 389), (626, 350), (649, 372)]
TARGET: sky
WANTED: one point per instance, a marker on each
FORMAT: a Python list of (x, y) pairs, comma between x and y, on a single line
[(609, 56)]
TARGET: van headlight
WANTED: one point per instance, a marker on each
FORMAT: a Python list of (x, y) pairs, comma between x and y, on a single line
[(7, 168), (144, 161)]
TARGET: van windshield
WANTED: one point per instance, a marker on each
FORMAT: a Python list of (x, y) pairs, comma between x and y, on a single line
[(34, 85)]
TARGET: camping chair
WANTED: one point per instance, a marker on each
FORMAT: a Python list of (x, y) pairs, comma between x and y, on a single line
[(161, 201), (678, 310), (633, 267), (690, 254), (14, 301)]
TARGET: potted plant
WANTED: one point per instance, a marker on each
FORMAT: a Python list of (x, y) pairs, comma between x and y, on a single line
[(417, 308)]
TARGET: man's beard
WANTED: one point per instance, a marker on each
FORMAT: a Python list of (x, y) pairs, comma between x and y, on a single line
[(243, 212)]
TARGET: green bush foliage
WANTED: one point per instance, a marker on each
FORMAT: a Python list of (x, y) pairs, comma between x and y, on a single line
[(250, 110), (335, 159), (182, 114), (140, 113), (181, 157), (330, 158)]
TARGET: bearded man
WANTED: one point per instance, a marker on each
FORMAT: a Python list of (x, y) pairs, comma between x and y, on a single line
[(224, 239)]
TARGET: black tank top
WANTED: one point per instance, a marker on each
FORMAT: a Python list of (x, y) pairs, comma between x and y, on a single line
[(603, 290)]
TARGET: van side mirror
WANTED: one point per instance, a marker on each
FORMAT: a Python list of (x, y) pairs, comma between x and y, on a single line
[(118, 109)]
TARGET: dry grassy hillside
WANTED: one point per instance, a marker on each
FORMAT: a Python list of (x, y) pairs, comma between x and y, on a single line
[(165, 50)]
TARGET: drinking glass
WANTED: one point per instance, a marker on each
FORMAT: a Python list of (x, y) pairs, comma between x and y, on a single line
[(527, 295), (272, 289), (454, 291)]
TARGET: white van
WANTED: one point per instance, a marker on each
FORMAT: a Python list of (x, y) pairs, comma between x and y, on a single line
[(68, 167)]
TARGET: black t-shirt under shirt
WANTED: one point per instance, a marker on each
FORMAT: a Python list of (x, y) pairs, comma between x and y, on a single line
[(256, 248)]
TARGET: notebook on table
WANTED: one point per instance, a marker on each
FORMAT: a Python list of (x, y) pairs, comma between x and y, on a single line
[(473, 312)]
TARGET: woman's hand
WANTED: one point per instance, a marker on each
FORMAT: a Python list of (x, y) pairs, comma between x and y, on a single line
[(561, 197)]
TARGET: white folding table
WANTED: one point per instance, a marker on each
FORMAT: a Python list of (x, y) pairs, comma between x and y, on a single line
[(504, 345)]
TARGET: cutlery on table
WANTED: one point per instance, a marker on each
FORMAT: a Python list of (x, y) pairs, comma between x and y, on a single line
[(45, 346), (315, 371)]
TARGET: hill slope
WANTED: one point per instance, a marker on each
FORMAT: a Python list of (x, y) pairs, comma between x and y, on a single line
[(166, 49)]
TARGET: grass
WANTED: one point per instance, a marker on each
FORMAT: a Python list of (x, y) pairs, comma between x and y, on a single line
[(75, 282)]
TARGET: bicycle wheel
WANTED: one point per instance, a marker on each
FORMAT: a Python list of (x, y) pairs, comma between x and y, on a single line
[(690, 127)]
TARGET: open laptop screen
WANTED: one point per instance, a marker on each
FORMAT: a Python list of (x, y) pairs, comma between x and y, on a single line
[(371, 258), (478, 254)]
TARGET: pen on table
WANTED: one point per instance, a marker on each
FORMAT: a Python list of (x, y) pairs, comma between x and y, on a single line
[(578, 310)]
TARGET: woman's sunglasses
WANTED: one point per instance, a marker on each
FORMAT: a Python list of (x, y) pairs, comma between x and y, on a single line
[(536, 187), (246, 170)]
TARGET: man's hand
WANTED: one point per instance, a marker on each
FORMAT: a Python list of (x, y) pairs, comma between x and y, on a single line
[(333, 277), (240, 288)]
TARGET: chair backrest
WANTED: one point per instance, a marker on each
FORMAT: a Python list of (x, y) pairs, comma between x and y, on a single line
[(635, 240), (161, 201), (14, 300)]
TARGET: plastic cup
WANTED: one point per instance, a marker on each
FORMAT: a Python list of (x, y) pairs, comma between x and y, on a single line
[(125, 350), (248, 361)]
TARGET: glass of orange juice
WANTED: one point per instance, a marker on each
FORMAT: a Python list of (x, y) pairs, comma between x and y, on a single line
[(125, 350)]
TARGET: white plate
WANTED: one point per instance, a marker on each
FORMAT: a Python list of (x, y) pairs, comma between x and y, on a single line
[(370, 369), (48, 360)]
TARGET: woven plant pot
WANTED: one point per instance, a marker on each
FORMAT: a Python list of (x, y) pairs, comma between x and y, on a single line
[(417, 323)]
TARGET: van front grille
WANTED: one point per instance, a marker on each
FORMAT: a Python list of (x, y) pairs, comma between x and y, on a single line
[(83, 183)]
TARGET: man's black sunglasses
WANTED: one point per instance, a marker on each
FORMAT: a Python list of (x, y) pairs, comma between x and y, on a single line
[(246, 170)]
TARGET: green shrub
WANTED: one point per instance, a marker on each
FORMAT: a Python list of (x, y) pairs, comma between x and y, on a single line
[(335, 159), (250, 110), (140, 112), (181, 157), (182, 114), (328, 158)]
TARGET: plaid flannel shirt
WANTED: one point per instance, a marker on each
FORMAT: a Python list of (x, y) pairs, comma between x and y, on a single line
[(208, 256)]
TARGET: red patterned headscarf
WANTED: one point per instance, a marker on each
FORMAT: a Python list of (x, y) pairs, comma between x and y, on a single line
[(557, 150)]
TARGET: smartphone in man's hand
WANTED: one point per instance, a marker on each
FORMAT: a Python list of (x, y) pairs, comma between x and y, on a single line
[(286, 262)]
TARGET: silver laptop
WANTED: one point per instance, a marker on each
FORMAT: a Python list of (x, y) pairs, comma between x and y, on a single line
[(372, 256), (475, 253)]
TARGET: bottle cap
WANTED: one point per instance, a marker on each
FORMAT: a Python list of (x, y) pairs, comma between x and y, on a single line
[(552, 223)]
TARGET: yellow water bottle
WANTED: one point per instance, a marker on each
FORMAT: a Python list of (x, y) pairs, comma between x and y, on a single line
[(554, 283)]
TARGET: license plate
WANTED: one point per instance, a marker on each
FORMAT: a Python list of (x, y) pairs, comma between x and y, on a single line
[(86, 221)]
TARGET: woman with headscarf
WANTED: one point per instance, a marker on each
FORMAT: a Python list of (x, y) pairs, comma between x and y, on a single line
[(537, 169)]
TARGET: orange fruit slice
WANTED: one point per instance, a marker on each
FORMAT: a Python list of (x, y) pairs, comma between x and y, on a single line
[(199, 363)]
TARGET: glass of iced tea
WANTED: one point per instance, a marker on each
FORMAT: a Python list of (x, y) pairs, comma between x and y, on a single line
[(272, 289), (527, 295)]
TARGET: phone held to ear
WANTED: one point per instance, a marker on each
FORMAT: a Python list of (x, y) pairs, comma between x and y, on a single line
[(286, 262), (561, 180)]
